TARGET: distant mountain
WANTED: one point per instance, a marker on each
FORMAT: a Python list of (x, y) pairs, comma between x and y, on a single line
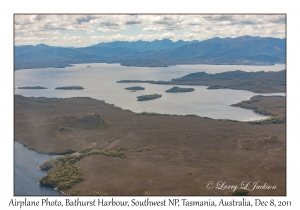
[(217, 49), (241, 50), (156, 45)]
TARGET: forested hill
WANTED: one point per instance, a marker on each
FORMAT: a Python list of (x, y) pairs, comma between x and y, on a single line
[(246, 50)]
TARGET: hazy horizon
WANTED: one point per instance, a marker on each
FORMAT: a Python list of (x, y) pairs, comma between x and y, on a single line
[(87, 30)]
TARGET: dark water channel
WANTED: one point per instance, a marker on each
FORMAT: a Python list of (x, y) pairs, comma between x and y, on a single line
[(27, 174)]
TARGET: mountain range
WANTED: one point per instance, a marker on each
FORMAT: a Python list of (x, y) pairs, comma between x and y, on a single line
[(244, 50)]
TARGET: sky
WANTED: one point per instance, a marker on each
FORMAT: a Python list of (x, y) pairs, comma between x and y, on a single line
[(85, 30)]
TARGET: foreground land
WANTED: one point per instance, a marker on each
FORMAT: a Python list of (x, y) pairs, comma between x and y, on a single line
[(118, 152), (258, 82)]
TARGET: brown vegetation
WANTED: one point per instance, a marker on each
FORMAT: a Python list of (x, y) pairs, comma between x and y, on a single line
[(164, 154)]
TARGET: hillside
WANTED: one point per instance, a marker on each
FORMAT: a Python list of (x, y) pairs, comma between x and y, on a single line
[(241, 50), (115, 147)]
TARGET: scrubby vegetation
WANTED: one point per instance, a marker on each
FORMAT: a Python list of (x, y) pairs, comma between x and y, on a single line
[(48, 164), (179, 90), (273, 120), (255, 104), (148, 97), (135, 88), (248, 104), (154, 114), (86, 122), (63, 174), (149, 148), (70, 88)]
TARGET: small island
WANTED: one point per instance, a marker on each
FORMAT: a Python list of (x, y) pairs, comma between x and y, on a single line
[(33, 87), (148, 97), (214, 87), (179, 90), (88, 66), (135, 88), (70, 88)]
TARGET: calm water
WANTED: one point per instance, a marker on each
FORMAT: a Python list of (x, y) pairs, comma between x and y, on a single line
[(99, 82), (27, 174)]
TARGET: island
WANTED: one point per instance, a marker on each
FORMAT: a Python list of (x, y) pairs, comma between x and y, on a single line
[(257, 82), (32, 87), (88, 66), (177, 89), (70, 88), (135, 88), (148, 97)]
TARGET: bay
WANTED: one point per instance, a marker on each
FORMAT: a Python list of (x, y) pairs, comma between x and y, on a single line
[(99, 82)]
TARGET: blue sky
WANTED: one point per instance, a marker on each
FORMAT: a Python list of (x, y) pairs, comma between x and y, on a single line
[(84, 30)]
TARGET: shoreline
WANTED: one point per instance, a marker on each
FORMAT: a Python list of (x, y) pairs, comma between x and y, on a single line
[(162, 114), (195, 137), (121, 64)]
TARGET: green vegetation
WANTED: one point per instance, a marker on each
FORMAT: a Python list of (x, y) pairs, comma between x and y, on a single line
[(32, 87), (48, 164), (148, 97), (135, 88), (63, 174), (179, 90), (70, 88), (240, 192)]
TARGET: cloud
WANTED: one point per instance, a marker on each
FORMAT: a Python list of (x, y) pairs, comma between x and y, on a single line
[(34, 29)]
